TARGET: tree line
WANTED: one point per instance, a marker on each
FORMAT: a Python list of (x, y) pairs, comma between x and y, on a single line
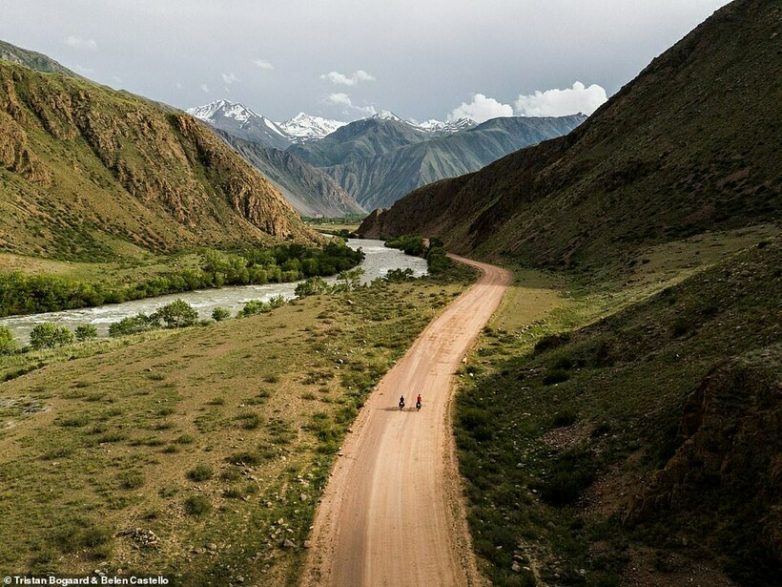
[(22, 293)]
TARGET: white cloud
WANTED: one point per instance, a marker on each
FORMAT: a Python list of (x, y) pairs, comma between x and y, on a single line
[(79, 43), (263, 64), (342, 99), (481, 109), (555, 102), (229, 78), (340, 79), (204, 88)]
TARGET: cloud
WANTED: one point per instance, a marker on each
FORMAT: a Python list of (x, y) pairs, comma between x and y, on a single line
[(204, 88), (555, 102), (79, 43), (263, 64), (481, 109), (229, 78), (342, 99), (340, 79)]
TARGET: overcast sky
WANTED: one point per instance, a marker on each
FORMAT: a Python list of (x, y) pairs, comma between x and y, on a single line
[(347, 58)]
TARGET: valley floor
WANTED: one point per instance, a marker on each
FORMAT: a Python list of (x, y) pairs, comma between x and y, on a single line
[(198, 453)]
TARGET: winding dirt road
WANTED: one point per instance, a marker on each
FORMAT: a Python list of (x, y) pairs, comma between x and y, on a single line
[(392, 512)]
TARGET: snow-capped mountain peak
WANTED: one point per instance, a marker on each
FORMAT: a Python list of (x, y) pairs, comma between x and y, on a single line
[(305, 127), (440, 127), (387, 115), (241, 121), (226, 109)]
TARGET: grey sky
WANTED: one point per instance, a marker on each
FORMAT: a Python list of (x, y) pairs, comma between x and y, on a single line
[(419, 58)]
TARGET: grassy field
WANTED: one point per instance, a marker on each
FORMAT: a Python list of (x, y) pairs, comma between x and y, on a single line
[(573, 397), (200, 453)]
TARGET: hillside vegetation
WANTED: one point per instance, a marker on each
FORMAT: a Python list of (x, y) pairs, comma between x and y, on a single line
[(691, 144), (642, 449), (87, 173)]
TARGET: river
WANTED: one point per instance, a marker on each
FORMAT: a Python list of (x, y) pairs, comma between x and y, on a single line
[(379, 261)]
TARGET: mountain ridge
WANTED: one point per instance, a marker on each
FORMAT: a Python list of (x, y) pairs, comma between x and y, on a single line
[(86, 171), (666, 157)]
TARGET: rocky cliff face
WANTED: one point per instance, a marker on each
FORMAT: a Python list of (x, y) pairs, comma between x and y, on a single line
[(731, 440), (309, 190), (80, 161)]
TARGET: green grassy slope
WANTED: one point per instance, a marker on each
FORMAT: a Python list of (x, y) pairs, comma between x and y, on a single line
[(691, 144), (642, 449), (85, 170)]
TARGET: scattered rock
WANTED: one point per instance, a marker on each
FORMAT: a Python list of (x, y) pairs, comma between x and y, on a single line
[(141, 538)]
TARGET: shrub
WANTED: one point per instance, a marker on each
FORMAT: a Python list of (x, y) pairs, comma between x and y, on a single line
[(8, 344), (220, 314), (411, 244), (399, 275), (200, 473), (86, 332), (133, 325), (178, 314), (571, 473), (48, 336), (131, 479), (197, 505), (255, 307), (555, 376), (564, 418), (312, 287)]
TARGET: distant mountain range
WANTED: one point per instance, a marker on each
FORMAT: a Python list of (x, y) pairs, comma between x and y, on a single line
[(376, 160)]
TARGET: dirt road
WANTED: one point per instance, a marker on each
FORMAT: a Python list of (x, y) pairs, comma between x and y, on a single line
[(392, 512)]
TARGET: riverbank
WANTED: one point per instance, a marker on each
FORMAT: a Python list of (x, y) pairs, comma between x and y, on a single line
[(378, 260), (40, 285)]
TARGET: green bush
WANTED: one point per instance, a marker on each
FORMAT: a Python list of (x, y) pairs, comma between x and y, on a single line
[(178, 314), (86, 332), (133, 325), (48, 336), (8, 344), (197, 505), (200, 473), (411, 244), (131, 479), (220, 314), (313, 286)]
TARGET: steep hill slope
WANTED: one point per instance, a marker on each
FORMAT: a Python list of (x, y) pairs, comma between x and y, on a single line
[(645, 447), (359, 140), (85, 171), (311, 191), (32, 59), (381, 180), (691, 144)]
